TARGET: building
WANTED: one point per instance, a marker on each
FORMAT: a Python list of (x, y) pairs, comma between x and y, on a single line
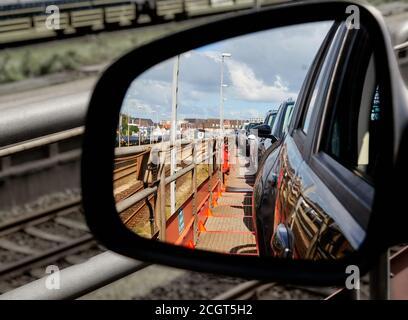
[(143, 122), (211, 123), (256, 120)]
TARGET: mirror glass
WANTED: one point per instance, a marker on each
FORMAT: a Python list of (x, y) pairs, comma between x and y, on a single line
[(191, 169)]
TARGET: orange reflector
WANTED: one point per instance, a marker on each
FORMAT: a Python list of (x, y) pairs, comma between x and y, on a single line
[(201, 227), (209, 213), (190, 244)]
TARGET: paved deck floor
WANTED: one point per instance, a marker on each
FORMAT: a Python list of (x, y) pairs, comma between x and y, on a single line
[(229, 229)]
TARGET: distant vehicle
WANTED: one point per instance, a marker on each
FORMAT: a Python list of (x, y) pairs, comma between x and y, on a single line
[(279, 127), (251, 126), (248, 132), (241, 139), (255, 140), (270, 117)]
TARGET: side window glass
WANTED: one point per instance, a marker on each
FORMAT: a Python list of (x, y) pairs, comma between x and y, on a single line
[(354, 134), (287, 118), (319, 85), (267, 119), (271, 119), (312, 104)]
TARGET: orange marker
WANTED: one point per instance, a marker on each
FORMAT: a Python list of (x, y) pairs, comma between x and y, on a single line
[(209, 213), (201, 227), (190, 244)]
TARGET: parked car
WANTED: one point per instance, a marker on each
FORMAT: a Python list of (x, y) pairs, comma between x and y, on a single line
[(249, 135), (270, 133), (270, 117), (313, 194)]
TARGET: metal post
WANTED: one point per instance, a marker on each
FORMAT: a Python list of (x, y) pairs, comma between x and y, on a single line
[(220, 160), (140, 123), (380, 278), (210, 169), (128, 138), (222, 85), (194, 173), (222, 95), (120, 130), (162, 198), (173, 133)]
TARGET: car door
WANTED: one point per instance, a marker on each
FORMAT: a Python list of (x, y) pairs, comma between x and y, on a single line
[(326, 190), (273, 192)]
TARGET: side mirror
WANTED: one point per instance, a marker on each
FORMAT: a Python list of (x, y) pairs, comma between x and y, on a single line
[(194, 208), (264, 130), (282, 242)]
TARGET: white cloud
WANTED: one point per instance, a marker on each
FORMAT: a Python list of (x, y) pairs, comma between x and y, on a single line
[(248, 87)]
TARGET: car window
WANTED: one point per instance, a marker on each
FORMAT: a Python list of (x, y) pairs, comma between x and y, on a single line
[(271, 119), (287, 117), (319, 85), (353, 139)]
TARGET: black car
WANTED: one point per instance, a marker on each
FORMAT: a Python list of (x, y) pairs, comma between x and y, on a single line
[(248, 132), (270, 117), (313, 194), (273, 133)]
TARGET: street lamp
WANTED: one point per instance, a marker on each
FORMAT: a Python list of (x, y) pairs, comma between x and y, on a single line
[(157, 123), (222, 86)]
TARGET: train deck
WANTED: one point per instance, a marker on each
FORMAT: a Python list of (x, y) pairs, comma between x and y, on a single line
[(229, 227)]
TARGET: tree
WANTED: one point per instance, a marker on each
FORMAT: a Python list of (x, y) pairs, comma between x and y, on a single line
[(132, 129)]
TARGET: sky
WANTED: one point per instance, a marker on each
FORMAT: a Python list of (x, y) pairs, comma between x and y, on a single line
[(265, 68)]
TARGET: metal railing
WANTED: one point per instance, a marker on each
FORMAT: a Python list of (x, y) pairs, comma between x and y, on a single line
[(30, 122), (105, 268), (79, 279), (157, 187), (42, 141)]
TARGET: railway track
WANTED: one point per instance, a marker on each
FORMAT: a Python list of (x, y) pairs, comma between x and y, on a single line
[(127, 168), (258, 290), (56, 235)]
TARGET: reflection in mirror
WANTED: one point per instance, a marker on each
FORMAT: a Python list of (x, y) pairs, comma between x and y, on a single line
[(192, 170)]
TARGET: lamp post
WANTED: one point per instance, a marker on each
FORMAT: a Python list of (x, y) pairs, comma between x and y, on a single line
[(173, 133), (140, 123), (157, 123), (222, 85)]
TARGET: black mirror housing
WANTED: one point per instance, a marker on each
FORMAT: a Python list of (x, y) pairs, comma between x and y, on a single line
[(98, 147), (264, 130)]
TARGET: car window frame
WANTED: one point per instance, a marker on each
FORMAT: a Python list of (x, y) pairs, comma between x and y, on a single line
[(277, 128), (351, 189), (302, 140)]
